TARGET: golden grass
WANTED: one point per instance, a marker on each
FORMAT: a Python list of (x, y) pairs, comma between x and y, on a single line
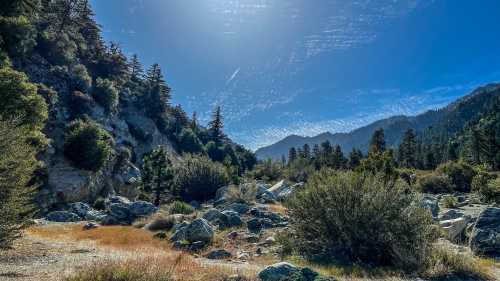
[(156, 268), (277, 208), (123, 237)]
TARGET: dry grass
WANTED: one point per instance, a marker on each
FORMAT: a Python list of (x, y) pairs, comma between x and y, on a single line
[(157, 268), (277, 208), (444, 263), (122, 237)]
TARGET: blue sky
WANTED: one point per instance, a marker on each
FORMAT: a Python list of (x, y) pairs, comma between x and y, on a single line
[(305, 67)]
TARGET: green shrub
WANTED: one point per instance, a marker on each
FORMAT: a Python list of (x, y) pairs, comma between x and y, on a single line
[(449, 201), (460, 173), (198, 178), (87, 145), (360, 217), (490, 192), (106, 94), (189, 142), (179, 207), (80, 78), (99, 204), (80, 104), (18, 35), (435, 183), (57, 48)]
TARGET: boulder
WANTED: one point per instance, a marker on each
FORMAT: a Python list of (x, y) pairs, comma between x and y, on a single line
[(89, 226), (179, 235), (278, 187), (94, 215), (454, 228), (231, 219), (212, 215), (254, 225), (286, 271), (119, 210), (279, 271), (80, 208), (199, 230), (240, 208), (485, 238), (286, 192), (142, 208), (116, 199), (218, 254), (431, 203), (63, 216), (110, 220), (450, 215)]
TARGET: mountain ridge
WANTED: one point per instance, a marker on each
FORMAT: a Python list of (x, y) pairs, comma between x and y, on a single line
[(394, 127)]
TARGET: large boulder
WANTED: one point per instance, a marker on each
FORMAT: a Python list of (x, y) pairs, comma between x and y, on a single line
[(212, 215), (454, 228), (63, 216), (485, 238), (218, 254), (278, 187), (199, 230), (431, 203), (240, 208), (142, 208), (231, 219), (80, 208), (119, 210), (286, 271)]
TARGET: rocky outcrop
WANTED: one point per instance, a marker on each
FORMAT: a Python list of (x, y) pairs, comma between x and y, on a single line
[(431, 203), (485, 238)]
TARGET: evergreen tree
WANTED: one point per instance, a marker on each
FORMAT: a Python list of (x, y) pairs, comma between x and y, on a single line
[(408, 150), (136, 70), (452, 151), (316, 151), (158, 93), (194, 122), (355, 157), (338, 159), (306, 151), (216, 125), (377, 143), (292, 155), (157, 174)]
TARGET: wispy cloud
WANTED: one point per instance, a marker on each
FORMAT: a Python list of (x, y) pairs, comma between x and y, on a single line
[(233, 76)]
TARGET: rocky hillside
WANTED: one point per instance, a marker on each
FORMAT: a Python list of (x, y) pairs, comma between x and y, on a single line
[(450, 119), (100, 112)]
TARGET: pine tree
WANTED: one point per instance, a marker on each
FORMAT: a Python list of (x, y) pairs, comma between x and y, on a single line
[(306, 151), (158, 93), (355, 157), (194, 122), (136, 70), (216, 125), (316, 151), (157, 173), (292, 155), (408, 150), (338, 159), (377, 143)]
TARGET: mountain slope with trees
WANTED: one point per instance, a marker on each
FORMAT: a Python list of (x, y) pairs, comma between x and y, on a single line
[(442, 124)]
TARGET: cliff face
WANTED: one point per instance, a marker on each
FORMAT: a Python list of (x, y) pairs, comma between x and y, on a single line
[(64, 182)]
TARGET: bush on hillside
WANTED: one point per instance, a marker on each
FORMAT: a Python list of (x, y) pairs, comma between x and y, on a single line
[(369, 220), (198, 178), (179, 207), (189, 142), (435, 183), (490, 192), (80, 104), (80, 78), (87, 145), (18, 35), (106, 94), (460, 173)]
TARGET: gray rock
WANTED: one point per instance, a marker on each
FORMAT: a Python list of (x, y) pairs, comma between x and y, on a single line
[(240, 208), (431, 203), (110, 220), (450, 215), (195, 204), (197, 246), (279, 272), (116, 199), (485, 239), (179, 235), (80, 208), (254, 225), (212, 215), (231, 219), (94, 215), (199, 230), (142, 208), (63, 216), (119, 210), (89, 226), (218, 254), (454, 228)]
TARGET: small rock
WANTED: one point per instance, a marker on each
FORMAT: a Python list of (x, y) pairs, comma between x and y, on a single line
[(254, 225), (212, 215), (240, 208), (197, 246), (243, 256), (199, 230), (231, 219), (218, 254), (270, 240), (160, 236), (89, 226)]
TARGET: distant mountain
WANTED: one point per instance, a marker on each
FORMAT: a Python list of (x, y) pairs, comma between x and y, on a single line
[(450, 120)]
